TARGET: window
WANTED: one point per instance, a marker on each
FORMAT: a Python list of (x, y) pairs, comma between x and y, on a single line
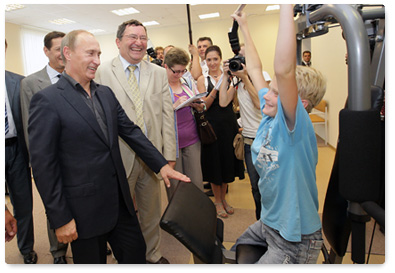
[(34, 58)]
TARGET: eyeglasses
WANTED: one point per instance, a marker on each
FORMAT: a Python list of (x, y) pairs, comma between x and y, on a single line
[(134, 37), (178, 71)]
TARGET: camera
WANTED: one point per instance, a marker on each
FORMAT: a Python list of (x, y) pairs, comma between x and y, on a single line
[(237, 60), (157, 62), (235, 63), (151, 52)]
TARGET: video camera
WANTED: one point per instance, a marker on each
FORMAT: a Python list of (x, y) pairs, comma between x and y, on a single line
[(152, 54), (237, 60)]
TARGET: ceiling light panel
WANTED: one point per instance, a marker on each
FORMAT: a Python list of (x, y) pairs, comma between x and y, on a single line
[(127, 11), (272, 7), (93, 31), (150, 23), (209, 15), (11, 7), (62, 21)]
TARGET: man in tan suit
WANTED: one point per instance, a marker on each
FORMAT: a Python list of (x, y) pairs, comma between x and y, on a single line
[(150, 106)]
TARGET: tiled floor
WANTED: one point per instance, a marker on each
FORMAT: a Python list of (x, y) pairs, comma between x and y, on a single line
[(239, 197)]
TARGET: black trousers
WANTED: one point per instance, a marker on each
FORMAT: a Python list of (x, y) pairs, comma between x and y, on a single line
[(18, 177), (126, 241)]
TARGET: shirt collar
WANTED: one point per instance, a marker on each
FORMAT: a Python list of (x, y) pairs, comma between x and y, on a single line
[(126, 64), (69, 78), (52, 73), (77, 85)]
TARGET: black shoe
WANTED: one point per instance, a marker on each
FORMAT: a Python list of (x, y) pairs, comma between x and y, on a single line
[(162, 260), (60, 260), (108, 252), (30, 258)]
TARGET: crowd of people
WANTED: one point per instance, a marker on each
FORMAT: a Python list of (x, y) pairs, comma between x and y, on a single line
[(99, 138)]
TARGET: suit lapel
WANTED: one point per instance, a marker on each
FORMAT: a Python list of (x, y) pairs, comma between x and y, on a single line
[(119, 74), (43, 79), (145, 75), (75, 100)]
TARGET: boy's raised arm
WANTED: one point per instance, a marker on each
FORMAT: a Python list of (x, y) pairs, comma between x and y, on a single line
[(254, 65), (285, 64)]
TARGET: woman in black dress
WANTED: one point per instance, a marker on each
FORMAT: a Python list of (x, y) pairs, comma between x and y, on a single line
[(219, 163)]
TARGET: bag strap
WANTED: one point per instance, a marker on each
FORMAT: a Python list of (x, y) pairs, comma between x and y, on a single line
[(210, 85)]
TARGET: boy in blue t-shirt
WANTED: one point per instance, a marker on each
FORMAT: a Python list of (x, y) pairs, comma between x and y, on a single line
[(284, 151)]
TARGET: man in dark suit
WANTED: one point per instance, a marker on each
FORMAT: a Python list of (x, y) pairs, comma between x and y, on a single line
[(73, 133), (31, 85), (17, 171)]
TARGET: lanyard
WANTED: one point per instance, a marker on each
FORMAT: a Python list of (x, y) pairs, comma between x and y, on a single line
[(187, 90)]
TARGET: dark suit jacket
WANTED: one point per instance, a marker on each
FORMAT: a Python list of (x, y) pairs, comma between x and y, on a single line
[(78, 173), (12, 82)]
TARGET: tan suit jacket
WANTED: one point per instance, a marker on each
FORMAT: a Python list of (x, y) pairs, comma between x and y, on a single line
[(157, 106)]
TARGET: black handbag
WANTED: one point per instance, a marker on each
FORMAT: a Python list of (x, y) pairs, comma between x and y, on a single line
[(205, 130)]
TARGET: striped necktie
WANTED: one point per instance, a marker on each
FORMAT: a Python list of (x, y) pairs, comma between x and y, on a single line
[(7, 129), (136, 97)]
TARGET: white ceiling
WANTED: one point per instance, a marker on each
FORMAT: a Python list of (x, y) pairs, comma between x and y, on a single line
[(99, 16)]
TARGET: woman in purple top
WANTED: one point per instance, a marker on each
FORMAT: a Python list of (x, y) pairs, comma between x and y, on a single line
[(183, 87)]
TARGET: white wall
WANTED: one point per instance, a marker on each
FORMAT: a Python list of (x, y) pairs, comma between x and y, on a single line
[(263, 29), (13, 57), (327, 53), (328, 56)]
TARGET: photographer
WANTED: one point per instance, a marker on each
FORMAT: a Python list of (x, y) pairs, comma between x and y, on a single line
[(153, 53), (250, 115), (159, 53)]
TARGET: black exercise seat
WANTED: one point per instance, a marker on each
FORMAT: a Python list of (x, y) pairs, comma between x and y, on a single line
[(191, 218)]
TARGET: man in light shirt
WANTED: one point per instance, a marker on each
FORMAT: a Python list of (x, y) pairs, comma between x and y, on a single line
[(199, 68)]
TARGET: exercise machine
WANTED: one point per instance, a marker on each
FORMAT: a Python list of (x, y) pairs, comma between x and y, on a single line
[(357, 184)]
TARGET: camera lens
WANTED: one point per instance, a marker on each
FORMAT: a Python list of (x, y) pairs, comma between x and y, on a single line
[(235, 65)]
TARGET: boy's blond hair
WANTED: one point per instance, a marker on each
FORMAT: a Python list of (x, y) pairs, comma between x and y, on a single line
[(311, 85)]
